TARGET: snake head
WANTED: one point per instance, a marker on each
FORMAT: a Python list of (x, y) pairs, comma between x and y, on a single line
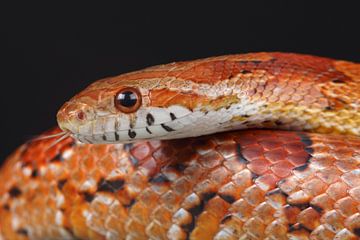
[(176, 100), (141, 105)]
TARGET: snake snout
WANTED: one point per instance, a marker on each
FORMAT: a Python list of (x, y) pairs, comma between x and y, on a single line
[(72, 116)]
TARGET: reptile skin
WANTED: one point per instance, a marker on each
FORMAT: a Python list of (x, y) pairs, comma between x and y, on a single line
[(248, 184)]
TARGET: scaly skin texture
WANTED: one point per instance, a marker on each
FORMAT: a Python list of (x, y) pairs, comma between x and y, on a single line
[(252, 184)]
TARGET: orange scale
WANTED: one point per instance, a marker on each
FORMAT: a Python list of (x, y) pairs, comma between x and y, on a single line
[(343, 153), (346, 166), (347, 206), (227, 150), (89, 162), (252, 152), (298, 159), (305, 216), (150, 165), (107, 164), (276, 155), (282, 168), (259, 166), (314, 187), (211, 160), (291, 213), (141, 151), (267, 182)]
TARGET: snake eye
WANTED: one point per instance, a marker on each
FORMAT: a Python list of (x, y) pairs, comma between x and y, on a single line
[(128, 100)]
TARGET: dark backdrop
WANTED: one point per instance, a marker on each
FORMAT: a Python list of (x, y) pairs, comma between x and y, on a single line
[(49, 53)]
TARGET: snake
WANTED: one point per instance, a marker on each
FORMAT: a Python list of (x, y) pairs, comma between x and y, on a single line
[(246, 146)]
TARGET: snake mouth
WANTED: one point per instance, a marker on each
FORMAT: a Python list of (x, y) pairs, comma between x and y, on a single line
[(160, 131), (147, 123)]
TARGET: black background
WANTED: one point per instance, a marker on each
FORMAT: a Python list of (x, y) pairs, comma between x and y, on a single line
[(49, 53)]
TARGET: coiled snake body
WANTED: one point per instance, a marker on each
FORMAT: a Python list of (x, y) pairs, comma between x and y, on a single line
[(149, 173)]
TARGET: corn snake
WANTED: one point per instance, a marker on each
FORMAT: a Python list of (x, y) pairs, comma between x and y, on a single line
[(243, 184)]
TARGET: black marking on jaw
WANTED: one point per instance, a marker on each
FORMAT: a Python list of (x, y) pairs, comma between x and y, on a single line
[(167, 128), (14, 192), (172, 116), (104, 137), (22, 231), (240, 156), (131, 133), (110, 185), (116, 135), (195, 211), (150, 119), (148, 130)]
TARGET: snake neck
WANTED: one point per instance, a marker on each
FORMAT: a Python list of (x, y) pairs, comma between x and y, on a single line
[(245, 114)]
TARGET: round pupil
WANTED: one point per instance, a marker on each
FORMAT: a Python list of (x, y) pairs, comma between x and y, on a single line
[(127, 99)]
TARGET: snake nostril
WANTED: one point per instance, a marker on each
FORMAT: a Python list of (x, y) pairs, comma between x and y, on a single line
[(81, 115)]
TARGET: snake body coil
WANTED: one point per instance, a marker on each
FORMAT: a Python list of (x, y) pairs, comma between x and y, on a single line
[(150, 174)]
